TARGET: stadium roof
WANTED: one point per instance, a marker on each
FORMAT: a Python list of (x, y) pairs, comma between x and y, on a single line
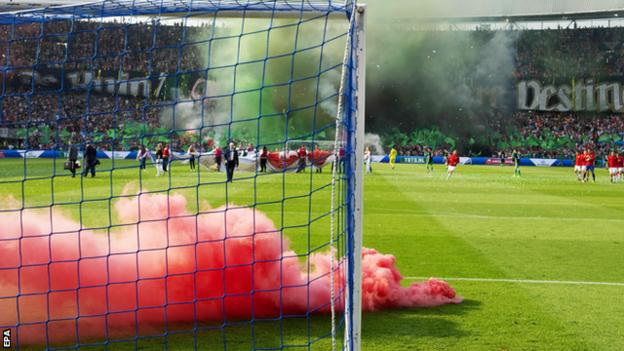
[(473, 11), (61, 9), (147, 6), (492, 9), (430, 9)]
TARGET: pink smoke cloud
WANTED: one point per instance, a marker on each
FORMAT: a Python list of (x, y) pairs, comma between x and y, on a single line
[(227, 263)]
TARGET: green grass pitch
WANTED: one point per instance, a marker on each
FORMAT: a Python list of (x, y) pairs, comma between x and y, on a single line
[(481, 224)]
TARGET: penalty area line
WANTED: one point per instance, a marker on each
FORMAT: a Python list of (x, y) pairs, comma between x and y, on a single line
[(522, 281)]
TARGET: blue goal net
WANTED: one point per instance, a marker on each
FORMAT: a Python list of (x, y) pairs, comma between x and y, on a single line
[(181, 175)]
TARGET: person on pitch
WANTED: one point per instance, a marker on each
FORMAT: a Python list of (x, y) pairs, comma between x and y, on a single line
[(159, 159), (429, 160), (264, 157), (515, 157), (583, 164), (303, 155), (393, 156), (367, 160), (316, 159), (142, 156), (166, 153), (612, 163), (218, 155), (231, 161), (452, 161), (620, 165), (90, 160), (578, 165), (191, 152), (72, 158), (590, 161), (342, 154)]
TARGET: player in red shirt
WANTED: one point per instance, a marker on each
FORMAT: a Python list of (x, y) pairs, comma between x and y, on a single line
[(452, 161), (218, 155), (165, 157), (578, 165), (612, 163), (590, 160), (620, 165), (303, 154)]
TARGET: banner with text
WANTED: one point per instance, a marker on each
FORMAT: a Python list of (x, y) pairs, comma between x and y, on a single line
[(576, 95)]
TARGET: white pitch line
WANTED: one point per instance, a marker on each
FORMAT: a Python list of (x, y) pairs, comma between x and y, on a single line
[(524, 218), (522, 281)]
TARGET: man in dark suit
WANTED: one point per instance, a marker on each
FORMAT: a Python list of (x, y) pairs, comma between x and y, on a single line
[(72, 158), (90, 160), (231, 161)]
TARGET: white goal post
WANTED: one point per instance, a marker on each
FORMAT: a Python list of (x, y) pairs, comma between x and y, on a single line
[(354, 315)]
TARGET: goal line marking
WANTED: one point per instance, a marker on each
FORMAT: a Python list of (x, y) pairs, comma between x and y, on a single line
[(522, 281)]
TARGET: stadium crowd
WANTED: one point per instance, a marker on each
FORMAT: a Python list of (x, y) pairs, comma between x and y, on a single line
[(53, 120), (96, 46), (532, 134), (560, 135), (88, 46), (76, 116), (570, 52)]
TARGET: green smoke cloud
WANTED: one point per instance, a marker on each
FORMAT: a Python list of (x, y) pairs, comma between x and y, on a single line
[(273, 78), (455, 81)]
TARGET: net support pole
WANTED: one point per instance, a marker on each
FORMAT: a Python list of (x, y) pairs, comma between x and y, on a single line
[(354, 316)]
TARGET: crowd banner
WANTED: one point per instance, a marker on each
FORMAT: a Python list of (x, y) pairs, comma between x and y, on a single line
[(118, 155), (112, 83), (379, 158), (10, 154), (499, 161), (579, 95), (132, 83), (321, 161), (481, 161), (419, 160), (32, 154), (540, 162)]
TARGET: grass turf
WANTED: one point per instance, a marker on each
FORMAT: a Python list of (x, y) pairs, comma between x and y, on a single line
[(481, 224)]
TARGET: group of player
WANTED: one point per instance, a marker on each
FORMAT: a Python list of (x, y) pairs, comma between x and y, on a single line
[(585, 164)]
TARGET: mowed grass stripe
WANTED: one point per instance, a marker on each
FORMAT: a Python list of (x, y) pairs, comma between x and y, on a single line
[(428, 246), (533, 257), (547, 249), (524, 218), (520, 281), (502, 195)]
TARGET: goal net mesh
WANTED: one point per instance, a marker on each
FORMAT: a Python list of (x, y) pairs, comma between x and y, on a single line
[(120, 122)]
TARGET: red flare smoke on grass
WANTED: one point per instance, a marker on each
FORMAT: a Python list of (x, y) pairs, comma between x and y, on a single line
[(167, 266)]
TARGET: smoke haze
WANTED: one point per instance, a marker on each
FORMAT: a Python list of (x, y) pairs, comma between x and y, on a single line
[(266, 86), (455, 81), (424, 79)]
